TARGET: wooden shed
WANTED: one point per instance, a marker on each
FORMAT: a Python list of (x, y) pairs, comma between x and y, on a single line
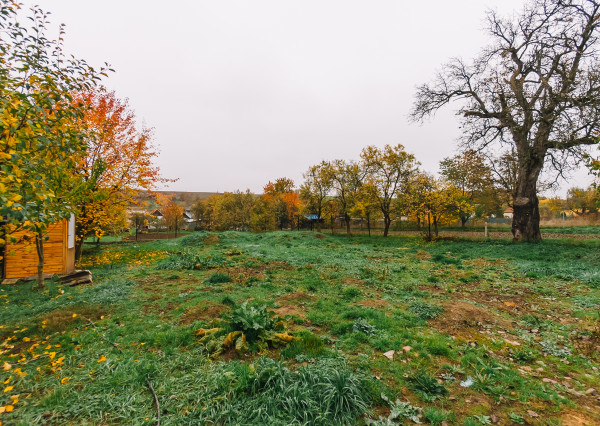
[(20, 260)]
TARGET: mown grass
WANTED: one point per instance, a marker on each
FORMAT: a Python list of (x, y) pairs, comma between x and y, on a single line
[(478, 329)]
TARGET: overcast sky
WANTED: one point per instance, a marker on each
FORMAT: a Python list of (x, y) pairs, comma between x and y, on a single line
[(243, 92)]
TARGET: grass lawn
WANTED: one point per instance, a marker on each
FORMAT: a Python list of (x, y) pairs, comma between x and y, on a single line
[(292, 328)]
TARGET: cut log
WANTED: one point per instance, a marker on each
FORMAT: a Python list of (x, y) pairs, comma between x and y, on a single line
[(76, 278)]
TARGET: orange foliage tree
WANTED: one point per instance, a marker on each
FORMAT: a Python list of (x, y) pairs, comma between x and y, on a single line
[(284, 201), (118, 162)]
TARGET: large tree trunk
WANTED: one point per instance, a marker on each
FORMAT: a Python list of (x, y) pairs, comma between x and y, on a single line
[(386, 223), (526, 213), (347, 220)]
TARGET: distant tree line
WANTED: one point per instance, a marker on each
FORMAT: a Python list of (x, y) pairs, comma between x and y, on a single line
[(385, 185)]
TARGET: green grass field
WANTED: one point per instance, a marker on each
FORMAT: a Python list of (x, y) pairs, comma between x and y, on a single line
[(292, 328)]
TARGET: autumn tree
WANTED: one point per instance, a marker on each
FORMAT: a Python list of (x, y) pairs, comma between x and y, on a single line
[(439, 201), (535, 88), (38, 138), (233, 210), (283, 200), (202, 211), (173, 215), (346, 179), (583, 201), (469, 173), (367, 203), (262, 218), (388, 170), (117, 163), (316, 188)]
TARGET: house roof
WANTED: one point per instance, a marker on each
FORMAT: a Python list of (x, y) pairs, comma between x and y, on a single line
[(509, 210)]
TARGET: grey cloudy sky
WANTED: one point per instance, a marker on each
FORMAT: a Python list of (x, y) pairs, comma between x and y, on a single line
[(241, 92)]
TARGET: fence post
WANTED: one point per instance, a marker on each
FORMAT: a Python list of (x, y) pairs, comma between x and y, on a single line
[(486, 230)]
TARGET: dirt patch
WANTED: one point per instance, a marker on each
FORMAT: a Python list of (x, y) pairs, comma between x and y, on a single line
[(298, 296), (203, 311), (352, 281), (290, 310), (461, 317), (423, 255), (576, 419), (373, 303), (62, 318), (320, 236)]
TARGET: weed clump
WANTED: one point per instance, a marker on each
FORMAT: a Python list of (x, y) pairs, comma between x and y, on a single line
[(327, 392), (248, 328), (218, 278), (351, 293), (309, 347), (189, 260), (363, 326), (425, 310), (427, 386), (399, 411)]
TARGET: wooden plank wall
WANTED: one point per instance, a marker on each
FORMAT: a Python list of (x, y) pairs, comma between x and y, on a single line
[(24, 261)]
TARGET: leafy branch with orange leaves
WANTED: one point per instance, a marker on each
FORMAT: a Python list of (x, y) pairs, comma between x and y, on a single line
[(118, 162)]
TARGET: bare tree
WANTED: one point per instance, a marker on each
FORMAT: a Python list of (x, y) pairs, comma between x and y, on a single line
[(536, 88)]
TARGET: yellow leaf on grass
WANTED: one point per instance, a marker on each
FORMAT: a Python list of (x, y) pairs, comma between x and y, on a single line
[(74, 315), (19, 372), (64, 380), (102, 358), (9, 408), (6, 366), (8, 389)]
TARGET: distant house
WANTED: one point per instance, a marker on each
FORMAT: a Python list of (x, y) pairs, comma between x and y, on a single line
[(508, 213), (188, 217), (20, 259)]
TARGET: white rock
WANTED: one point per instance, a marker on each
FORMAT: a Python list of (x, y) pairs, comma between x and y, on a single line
[(389, 355)]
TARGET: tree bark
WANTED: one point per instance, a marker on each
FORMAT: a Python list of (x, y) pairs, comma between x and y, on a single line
[(526, 213), (386, 221), (347, 219), (39, 245)]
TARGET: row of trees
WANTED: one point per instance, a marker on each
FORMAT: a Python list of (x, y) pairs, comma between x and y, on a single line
[(66, 145), (386, 183)]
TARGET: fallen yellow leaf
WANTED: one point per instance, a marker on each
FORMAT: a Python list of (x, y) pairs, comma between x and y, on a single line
[(8, 389), (102, 358), (6, 366), (64, 380)]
